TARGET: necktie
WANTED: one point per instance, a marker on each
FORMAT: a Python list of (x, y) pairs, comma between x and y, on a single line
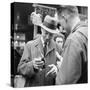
[(45, 48)]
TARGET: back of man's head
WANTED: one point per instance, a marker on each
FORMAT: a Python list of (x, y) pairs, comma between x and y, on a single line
[(71, 10)]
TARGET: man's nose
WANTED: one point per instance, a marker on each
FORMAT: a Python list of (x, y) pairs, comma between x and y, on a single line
[(47, 36)]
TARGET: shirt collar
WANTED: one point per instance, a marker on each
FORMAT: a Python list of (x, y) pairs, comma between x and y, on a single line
[(42, 41), (79, 24)]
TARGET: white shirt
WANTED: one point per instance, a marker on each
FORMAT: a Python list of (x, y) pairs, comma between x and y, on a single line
[(42, 41)]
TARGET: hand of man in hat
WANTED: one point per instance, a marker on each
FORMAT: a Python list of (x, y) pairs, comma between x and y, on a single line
[(36, 18), (53, 70), (38, 63)]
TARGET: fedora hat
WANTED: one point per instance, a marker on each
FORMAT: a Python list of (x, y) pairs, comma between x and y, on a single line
[(50, 25)]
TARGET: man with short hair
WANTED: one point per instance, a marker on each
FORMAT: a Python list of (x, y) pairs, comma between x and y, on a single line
[(38, 62), (75, 54), (59, 40)]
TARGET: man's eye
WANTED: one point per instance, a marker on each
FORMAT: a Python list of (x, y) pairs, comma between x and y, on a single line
[(46, 33), (59, 41)]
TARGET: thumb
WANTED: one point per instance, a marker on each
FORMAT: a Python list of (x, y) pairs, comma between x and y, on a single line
[(51, 65)]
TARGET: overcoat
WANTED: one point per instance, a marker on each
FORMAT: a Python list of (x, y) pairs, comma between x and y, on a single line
[(33, 49), (75, 57)]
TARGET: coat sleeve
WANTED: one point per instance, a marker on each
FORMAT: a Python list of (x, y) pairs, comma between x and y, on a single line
[(70, 69), (25, 66)]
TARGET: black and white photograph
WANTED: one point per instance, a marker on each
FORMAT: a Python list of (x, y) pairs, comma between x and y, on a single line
[(49, 44)]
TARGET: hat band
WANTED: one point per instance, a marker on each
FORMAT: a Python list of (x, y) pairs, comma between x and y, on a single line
[(50, 26)]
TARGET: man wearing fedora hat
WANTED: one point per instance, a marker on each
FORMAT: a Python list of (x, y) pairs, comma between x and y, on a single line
[(38, 62)]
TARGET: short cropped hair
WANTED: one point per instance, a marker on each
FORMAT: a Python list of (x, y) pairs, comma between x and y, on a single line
[(73, 10)]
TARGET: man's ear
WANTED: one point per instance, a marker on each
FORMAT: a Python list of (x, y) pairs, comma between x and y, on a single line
[(65, 18)]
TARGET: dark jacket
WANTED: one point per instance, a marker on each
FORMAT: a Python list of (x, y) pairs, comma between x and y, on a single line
[(32, 50), (75, 57)]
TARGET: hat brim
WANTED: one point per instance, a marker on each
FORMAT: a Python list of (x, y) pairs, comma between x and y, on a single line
[(56, 31)]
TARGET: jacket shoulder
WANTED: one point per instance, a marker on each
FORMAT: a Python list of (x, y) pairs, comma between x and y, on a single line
[(32, 42)]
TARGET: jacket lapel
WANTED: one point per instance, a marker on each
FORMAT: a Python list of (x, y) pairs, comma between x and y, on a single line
[(39, 46)]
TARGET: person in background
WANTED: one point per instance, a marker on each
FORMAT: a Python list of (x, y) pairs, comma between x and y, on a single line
[(59, 39), (15, 59), (75, 54), (37, 36), (38, 62)]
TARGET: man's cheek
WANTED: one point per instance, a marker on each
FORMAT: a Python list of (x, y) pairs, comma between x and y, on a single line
[(44, 36)]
